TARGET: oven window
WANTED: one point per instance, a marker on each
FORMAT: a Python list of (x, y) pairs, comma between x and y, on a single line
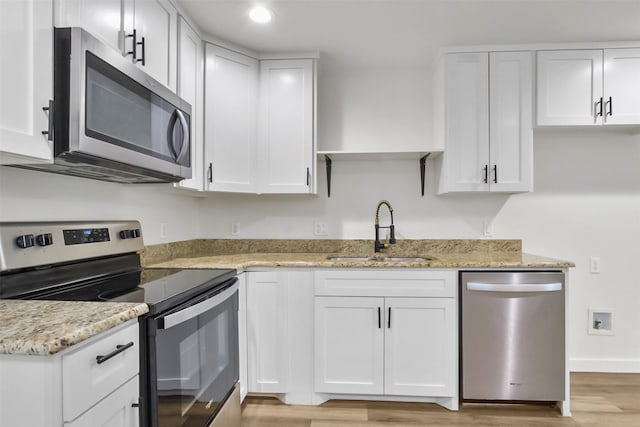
[(122, 112), (197, 366)]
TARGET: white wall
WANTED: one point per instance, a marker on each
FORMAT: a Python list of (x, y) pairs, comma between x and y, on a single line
[(36, 196)]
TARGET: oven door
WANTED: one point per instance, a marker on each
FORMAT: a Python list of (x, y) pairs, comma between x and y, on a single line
[(192, 359)]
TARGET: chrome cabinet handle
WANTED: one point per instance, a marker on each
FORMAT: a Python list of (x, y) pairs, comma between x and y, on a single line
[(389, 319), (379, 319), (210, 172), (49, 131), (495, 174), (308, 177), (610, 109), (486, 174), (119, 349)]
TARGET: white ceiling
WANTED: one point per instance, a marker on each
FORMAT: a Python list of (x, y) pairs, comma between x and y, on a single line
[(409, 32)]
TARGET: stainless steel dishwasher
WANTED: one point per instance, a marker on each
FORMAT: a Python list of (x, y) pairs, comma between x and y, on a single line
[(512, 336)]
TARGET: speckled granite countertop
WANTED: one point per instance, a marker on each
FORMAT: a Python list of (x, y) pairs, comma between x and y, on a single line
[(47, 327), (242, 254)]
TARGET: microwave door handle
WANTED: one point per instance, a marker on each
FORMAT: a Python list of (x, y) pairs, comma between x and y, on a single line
[(196, 310), (171, 134), (185, 137)]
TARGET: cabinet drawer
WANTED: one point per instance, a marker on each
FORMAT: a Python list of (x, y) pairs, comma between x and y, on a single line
[(85, 381), (379, 282), (115, 410)]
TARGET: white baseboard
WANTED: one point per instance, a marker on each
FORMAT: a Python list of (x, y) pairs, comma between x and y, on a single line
[(605, 365)]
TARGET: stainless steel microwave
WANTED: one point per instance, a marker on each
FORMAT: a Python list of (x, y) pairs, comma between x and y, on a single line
[(110, 120)]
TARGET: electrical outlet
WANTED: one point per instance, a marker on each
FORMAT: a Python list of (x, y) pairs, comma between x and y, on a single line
[(488, 228), (235, 228), (320, 228), (163, 230), (594, 265)]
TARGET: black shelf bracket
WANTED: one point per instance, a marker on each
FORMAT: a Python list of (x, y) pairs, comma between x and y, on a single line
[(327, 160), (423, 170)]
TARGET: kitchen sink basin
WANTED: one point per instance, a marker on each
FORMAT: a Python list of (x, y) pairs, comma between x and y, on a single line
[(379, 258)]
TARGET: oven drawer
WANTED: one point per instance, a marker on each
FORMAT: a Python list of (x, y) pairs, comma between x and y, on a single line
[(85, 381)]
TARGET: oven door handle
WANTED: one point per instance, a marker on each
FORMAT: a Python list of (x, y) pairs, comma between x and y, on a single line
[(196, 310)]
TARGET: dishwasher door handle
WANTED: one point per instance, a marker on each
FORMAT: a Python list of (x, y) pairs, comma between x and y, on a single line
[(514, 287)]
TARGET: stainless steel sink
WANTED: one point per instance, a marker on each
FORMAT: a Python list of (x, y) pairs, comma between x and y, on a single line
[(379, 258)]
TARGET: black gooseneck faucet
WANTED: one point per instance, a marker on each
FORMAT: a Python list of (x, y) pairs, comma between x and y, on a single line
[(378, 246)]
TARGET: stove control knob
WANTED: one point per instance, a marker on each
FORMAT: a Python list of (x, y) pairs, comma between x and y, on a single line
[(45, 239), (25, 241), (130, 234)]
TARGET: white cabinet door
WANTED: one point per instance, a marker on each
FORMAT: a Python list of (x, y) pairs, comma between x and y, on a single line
[(569, 87), (466, 129), (622, 86), (115, 410), (267, 331), (156, 22), (349, 345), (190, 89), (104, 19), (420, 346), (231, 83), (286, 135), (511, 121), (26, 80)]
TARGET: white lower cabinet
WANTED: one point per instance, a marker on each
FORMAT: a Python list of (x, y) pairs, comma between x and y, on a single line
[(388, 337), (72, 387), (279, 329), (392, 346)]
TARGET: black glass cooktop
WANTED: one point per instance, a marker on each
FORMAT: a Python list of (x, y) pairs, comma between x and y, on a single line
[(160, 289)]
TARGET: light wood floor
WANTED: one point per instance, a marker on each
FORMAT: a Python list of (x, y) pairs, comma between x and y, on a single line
[(598, 400)]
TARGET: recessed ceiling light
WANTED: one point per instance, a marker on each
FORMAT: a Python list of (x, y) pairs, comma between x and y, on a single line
[(260, 14)]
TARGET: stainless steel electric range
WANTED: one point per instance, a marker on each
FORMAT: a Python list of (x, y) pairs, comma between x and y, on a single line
[(189, 339)]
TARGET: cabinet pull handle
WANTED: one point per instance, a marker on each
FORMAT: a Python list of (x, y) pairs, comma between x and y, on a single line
[(136, 404), (495, 174), (308, 177), (389, 319), (486, 174), (379, 319), (143, 52), (599, 108), (210, 172), (119, 349), (134, 44), (610, 109), (49, 131)]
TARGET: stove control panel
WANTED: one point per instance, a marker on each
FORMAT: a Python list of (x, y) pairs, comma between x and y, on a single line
[(85, 235), (31, 244)]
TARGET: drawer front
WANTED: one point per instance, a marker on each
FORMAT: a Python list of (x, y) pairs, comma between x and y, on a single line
[(85, 381), (116, 410), (383, 282)]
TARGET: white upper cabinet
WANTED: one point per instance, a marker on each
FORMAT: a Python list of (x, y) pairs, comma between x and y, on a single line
[(487, 122), (588, 87), (259, 124), (231, 84), (569, 87), (286, 130), (511, 121), (190, 79), (155, 22), (154, 46), (622, 86), (26, 82)]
